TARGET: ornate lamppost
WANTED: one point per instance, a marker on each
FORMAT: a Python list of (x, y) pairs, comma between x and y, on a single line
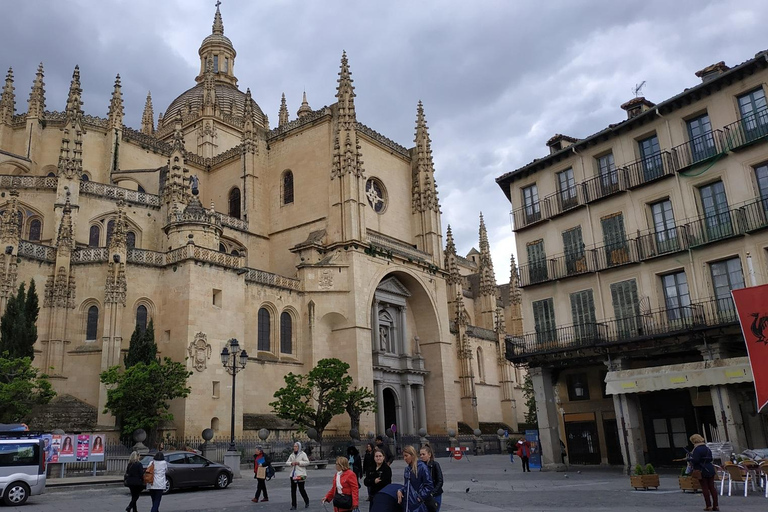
[(234, 359)]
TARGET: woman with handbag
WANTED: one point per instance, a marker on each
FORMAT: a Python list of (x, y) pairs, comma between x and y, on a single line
[(418, 483), (260, 464), (701, 460), (380, 476), (134, 480), (298, 462), (435, 498), (154, 477), (344, 493)]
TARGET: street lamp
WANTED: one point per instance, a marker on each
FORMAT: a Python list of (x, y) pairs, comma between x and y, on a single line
[(233, 359)]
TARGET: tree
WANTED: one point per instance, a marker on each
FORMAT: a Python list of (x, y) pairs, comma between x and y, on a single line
[(359, 401), (312, 400), (140, 395), (18, 330), (530, 401), (142, 347), (21, 388)]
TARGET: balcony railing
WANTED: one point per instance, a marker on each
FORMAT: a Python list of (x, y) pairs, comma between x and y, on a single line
[(698, 150), (747, 130), (661, 323), (711, 228), (653, 243), (564, 200), (650, 168), (604, 185), (528, 215), (754, 215), (615, 254)]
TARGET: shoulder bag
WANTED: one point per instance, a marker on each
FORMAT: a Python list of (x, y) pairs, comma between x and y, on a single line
[(149, 474), (342, 501)]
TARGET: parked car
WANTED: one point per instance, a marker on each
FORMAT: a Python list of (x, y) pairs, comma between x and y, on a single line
[(187, 469), (22, 467)]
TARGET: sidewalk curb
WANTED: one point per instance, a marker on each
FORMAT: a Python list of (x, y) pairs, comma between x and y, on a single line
[(63, 483)]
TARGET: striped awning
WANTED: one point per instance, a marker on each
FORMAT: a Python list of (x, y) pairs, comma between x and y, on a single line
[(678, 376)]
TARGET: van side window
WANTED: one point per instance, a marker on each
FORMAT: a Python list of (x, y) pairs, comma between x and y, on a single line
[(19, 454)]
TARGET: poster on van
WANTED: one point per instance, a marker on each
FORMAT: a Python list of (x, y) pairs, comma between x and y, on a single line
[(97, 447), (67, 453), (83, 447)]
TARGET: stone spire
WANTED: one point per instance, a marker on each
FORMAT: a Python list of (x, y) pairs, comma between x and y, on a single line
[(515, 294), (178, 135), (65, 240), (282, 118), (116, 111), (7, 100), (487, 277), (218, 25), (36, 104), (249, 132), (74, 109), (424, 190), (451, 259), (345, 94), (304, 109), (148, 117), (71, 157)]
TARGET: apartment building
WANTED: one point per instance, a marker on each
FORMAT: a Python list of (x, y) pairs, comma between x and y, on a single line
[(631, 241)]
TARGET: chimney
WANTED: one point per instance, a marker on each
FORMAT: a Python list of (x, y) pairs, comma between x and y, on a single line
[(637, 106), (560, 141), (712, 71)]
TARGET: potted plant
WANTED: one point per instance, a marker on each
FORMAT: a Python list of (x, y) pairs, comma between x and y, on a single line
[(644, 477), (687, 482)]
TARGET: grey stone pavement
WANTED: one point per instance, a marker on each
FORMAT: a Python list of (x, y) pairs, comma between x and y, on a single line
[(493, 483)]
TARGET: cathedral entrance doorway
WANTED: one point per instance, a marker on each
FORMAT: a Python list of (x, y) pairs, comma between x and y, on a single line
[(390, 408)]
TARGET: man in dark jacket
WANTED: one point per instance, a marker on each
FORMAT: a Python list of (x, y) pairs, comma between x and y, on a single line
[(384, 448)]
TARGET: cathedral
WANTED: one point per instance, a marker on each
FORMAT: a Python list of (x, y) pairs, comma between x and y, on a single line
[(316, 238)]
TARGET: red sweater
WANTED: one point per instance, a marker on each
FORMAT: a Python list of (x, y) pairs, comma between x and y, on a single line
[(349, 485)]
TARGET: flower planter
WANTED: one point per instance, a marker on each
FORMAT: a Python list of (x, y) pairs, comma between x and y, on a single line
[(688, 483), (644, 481)]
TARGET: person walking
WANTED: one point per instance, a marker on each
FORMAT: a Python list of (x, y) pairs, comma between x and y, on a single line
[(384, 449), (380, 476), (704, 470), (157, 467), (260, 464), (134, 480), (524, 451), (344, 493), (369, 464), (417, 483), (298, 462), (355, 462), (435, 498)]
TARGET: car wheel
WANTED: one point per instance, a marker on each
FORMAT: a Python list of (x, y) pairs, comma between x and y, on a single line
[(168, 485), (222, 480), (16, 494)]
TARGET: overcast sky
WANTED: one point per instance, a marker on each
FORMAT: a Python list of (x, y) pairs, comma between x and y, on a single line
[(497, 78)]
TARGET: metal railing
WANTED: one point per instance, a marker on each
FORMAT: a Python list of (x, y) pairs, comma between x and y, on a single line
[(528, 215), (747, 130), (557, 339), (754, 215), (604, 185), (659, 322), (564, 200), (697, 150), (653, 243), (711, 228), (650, 168)]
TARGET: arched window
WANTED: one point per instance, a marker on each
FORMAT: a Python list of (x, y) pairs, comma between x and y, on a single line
[(480, 365), (51, 175), (222, 248), (287, 187), (130, 239), (235, 252), (286, 333), (93, 236), (215, 424), (34, 230), (141, 190), (110, 229), (263, 319), (92, 324), (234, 203), (84, 177), (141, 318)]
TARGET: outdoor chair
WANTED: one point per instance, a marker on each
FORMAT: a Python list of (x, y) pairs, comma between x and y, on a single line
[(720, 474), (738, 474), (762, 469)]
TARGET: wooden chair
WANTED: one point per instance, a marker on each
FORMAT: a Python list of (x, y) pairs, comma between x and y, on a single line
[(738, 474)]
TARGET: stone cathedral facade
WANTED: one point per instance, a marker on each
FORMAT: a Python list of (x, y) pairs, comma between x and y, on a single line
[(316, 238)]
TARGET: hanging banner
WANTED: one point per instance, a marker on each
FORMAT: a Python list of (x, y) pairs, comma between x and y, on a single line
[(752, 308)]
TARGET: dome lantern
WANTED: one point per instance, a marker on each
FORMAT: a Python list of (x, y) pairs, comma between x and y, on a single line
[(219, 49)]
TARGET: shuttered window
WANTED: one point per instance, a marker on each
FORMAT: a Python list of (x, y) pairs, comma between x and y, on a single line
[(583, 314), (615, 239), (575, 262), (537, 261), (626, 307), (544, 319)]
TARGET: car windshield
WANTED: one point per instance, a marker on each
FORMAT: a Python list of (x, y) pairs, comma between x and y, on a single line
[(147, 459)]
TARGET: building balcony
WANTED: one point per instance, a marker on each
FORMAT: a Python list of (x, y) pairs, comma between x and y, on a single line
[(699, 150), (650, 168), (746, 131), (670, 324), (528, 216), (654, 243), (564, 200), (606, 185)]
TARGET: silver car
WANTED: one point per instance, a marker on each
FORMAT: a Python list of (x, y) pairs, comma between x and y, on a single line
[(22, 469), (187, 469)]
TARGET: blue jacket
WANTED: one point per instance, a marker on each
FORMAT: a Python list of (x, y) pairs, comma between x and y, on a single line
[(701, 459), (417, 487)]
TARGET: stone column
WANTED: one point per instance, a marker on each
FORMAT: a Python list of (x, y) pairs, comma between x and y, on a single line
[(629, 420), (404, 341), (379, 387), (546, 411), (408, 416), (730, 424), (375, 326), (421, 407)]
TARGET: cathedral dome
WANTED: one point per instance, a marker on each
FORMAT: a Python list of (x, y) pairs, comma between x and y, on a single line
[(230, 99)]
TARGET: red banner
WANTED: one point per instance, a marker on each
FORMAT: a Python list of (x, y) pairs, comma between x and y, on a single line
[(752, 308)]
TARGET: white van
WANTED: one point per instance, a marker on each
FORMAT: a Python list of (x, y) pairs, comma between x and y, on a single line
[(22, 467)]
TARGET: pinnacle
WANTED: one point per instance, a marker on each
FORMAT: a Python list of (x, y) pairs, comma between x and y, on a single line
[(218, 24)]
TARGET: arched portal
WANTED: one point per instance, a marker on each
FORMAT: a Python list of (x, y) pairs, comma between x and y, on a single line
[(390, 407)]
